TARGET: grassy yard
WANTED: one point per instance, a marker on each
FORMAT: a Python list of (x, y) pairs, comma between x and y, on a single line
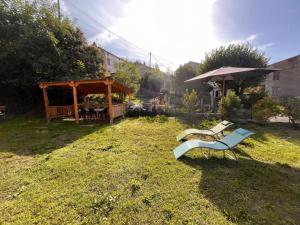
[(63, 173)]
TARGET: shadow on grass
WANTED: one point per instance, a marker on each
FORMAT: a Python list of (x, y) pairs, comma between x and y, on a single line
[(249, 191), (280, 131), (34, 136)]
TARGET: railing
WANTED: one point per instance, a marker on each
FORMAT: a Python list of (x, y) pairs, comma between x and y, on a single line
[(118, 110), (60, 111)]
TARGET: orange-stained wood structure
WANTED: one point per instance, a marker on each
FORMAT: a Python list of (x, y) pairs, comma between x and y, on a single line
[(82, 88)]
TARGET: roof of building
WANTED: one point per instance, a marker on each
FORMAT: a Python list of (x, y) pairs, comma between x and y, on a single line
[(288, 59)]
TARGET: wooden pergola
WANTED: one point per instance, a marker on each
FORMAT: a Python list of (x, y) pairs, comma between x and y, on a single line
[(105, 86)]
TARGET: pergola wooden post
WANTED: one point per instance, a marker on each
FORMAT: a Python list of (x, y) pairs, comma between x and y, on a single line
[(73, 85), (46, 102), (110, 109)]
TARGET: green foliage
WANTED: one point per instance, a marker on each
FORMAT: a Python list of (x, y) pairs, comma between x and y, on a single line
[(185, 72), (128, 75), (190, 101), (291, 109), (236, 55), (229, 105), (264, 109), (153, 80), (104, 203), (36, 46), (252, 96)]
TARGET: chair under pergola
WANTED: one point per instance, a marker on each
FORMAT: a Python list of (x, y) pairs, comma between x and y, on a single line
[(83, 88)]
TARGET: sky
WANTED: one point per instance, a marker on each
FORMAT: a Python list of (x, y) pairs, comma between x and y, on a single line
[(179, 31)]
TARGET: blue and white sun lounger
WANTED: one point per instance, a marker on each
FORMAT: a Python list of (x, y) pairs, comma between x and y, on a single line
[(227, 143)]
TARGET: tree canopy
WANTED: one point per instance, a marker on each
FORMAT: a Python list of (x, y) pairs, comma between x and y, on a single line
[(153, 80), (36, 46), (128, 74), (236, 55), (185, 72)]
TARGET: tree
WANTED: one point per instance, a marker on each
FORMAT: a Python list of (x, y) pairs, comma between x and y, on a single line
[(153, 80), (265, 108), (36, 46), (185, 72), (128, 75), (291, 109), (236, 55)]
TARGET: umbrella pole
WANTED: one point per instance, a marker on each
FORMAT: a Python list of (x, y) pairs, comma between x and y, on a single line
[(223, 96), (223, 87)]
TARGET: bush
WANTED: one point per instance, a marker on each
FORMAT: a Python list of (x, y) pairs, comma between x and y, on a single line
[(229, 105), (264, 109), (190, 101), (252, 96), (291, 109)]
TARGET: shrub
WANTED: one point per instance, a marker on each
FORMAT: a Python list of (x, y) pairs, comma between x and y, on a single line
[(264, 109), (252, 96), (229, 105), (291, 109), (190, 102)]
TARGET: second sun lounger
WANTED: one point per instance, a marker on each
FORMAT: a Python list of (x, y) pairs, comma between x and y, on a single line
[(216, 130), (227, 143)]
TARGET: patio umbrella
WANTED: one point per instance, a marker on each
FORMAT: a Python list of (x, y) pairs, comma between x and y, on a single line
[(228, 73)]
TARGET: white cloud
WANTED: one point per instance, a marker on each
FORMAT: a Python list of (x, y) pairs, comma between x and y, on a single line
[(176, 30), (250, 39), (265, 47)]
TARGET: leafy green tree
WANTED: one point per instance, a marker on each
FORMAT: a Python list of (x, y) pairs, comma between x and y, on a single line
[(291, 109), (236, 55), (153, 80), (36, 46), (128, 75), (265, 108), (185, 72)]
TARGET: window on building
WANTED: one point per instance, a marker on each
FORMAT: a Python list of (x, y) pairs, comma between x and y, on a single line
[(108, 61), (275, 91), (276, 75)]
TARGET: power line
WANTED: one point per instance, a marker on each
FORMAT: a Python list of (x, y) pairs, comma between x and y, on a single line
[(110, 31), (120, 37)]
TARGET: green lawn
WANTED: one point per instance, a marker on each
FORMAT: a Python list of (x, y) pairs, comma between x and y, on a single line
[(63, 173)]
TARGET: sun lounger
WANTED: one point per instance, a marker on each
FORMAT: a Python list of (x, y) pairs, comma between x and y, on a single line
[(227, 143), (215, 131)]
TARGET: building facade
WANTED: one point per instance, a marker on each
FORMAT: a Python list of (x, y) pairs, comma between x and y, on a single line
[(111, 61), (286, 82)]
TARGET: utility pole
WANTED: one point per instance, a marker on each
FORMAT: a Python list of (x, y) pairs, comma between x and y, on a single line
[(58, 8), (150, 59)]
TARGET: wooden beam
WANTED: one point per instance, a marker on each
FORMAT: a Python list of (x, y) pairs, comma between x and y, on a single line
[(223, 87), (75, 103), (110, 109), (46, 102)]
